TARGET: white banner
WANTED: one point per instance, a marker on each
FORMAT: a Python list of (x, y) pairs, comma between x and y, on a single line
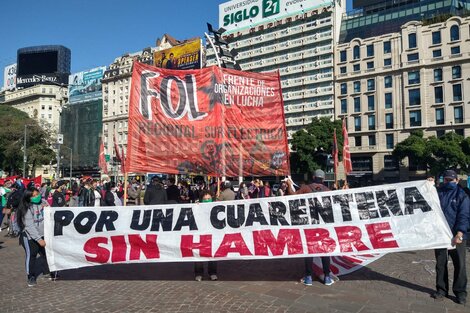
[(363, 221)]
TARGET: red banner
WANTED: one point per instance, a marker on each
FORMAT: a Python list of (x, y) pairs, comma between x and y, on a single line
[(213, 121)]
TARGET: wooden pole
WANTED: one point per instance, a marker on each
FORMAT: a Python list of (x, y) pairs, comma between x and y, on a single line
[(125, 188)]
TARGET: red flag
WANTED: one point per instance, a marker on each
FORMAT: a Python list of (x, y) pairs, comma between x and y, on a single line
[(335, 154), (346, 154), (102, 160), (116, 149), (123, 156)]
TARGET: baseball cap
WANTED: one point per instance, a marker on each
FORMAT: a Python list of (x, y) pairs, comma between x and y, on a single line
[(450, 174), (227, 184), (319, 174), (61, 183)]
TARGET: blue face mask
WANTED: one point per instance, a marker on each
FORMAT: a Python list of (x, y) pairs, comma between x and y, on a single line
[(451, 185)]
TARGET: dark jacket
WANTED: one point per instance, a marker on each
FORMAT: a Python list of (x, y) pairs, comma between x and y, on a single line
[(87, 197), (173, 194), (456, 207), (58, 199), (155, 194)]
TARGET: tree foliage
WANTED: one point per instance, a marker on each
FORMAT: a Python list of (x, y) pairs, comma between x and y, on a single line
[(436, 154), (38, 143), (313, 144)]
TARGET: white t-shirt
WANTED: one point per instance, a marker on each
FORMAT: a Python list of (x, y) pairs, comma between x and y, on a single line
[(97, 198)]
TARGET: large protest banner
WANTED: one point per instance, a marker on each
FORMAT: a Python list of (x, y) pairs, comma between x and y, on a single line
[(382, 219), (213, 121)]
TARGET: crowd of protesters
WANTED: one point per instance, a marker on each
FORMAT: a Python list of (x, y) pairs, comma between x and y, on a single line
[(22, 207)]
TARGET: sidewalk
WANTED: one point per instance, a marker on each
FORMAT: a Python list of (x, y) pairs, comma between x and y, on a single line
[(400, 282)]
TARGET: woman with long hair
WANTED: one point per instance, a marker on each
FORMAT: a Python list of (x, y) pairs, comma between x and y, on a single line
[(30, 218)]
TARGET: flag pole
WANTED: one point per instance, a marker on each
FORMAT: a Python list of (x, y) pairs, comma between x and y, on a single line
[(125, 188)]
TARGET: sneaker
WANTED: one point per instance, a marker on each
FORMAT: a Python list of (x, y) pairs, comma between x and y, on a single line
[(461, 300), (198, 278), (307, 281), (53, 276), (32, 282), (214, 277), (328, 281), (438, 296)]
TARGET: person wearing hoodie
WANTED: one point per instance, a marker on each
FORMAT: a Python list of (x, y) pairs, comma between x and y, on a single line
[(455, 205), (155, 194), (111, 197), (31, 222)]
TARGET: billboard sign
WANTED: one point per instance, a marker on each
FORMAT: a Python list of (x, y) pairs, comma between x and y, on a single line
[(238, 14), (9, 77), (86, 86), (181, 57), (29, 80)]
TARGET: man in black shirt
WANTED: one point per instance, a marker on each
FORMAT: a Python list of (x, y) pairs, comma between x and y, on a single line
[(58, 197)]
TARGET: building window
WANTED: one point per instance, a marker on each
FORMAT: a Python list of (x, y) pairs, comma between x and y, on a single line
[(456, 72), (460, 132), (413, 78), (43, 107), (370, 50), (440, 116), (414, 96), (371, 120), (362, 164), (372, 141), (388, 62), (356, 53), (438, 75), (342, 56), (436, 37), (458, 115), (356, 67), (389, 141), (457, 91), (436, 53), (455, 50), (389, 121), (370, 65), (438, 94), (388, 82), (342, 69), (388, 100), (357, 104), (454, 33), (344, 89), (387, 47), (357, 123), (413, 57), (391, 163), (440, 133), (344, 106), (357, 86), (370, 84), (358, 141), (415, 118), (412, 41), (371, 103)]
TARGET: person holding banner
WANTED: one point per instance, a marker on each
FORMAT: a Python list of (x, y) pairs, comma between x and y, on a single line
[(316, 186), (212, 265), (31, 222), (456, 207)]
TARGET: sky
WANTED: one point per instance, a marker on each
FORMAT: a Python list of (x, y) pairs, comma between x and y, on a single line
[(98, 31)]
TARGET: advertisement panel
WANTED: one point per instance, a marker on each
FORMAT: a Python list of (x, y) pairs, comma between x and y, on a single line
[(86, 85), (247, 13), (29, 80), (9, 77), (347, 223), (182, 57), (212, 121)]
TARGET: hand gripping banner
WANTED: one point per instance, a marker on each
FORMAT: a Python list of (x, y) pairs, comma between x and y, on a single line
[(213, 121), (363, 221)]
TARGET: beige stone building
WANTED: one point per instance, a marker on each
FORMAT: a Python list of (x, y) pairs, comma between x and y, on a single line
[(390, 85)]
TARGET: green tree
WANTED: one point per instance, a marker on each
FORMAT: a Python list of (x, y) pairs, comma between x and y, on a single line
[(414, 147), (12, 140), (313, 144)]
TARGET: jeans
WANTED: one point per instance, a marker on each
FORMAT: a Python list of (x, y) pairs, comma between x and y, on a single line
[(199, 268), (457, 255), (325, 261)]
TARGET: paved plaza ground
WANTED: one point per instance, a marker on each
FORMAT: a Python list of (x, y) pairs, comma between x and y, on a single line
[(400, 282)]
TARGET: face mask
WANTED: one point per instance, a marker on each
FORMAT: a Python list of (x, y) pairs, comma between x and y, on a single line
[(451, 185), (206, 200), (36, 200)]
